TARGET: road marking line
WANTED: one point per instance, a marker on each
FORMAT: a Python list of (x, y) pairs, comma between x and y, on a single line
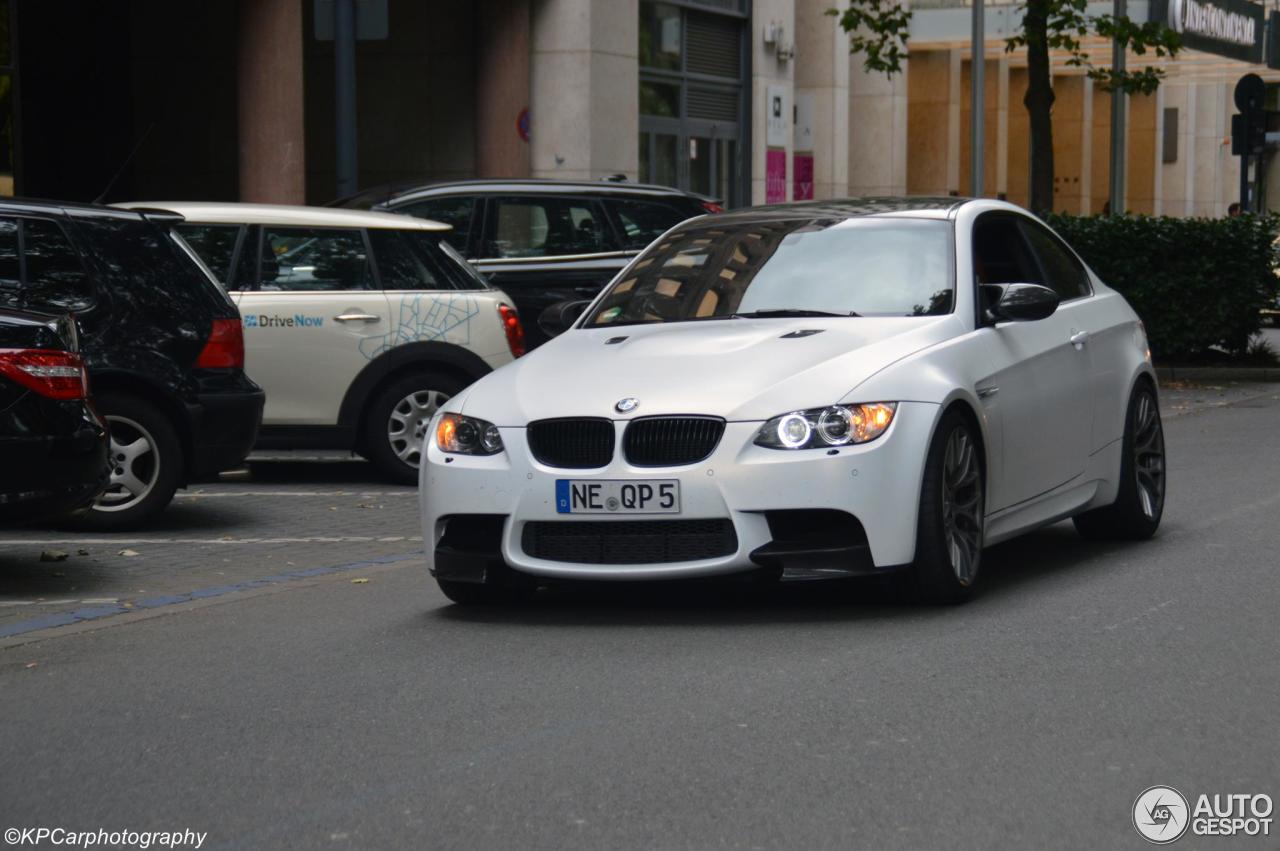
[(153, 605), (352, 539)]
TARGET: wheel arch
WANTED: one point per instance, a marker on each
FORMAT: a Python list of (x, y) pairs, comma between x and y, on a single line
[(135, 384), (432, 355)]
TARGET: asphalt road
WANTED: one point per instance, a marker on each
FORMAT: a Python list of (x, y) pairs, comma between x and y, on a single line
[(320, 710)]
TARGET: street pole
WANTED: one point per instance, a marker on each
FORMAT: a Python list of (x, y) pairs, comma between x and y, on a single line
[(1117, 121), (344, 66), (977, 104)]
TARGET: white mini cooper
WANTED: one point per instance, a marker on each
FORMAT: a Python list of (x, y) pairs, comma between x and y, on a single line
[(358, 325), (820, 389)]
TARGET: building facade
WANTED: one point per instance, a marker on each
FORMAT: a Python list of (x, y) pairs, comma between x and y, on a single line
[(749, 101)]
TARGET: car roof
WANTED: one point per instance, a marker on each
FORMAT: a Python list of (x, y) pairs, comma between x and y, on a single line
[(213, 212), (924, 207), (395, 193)]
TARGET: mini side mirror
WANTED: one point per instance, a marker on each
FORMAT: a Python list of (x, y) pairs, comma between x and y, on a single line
[(560, 317), (1017, 302)]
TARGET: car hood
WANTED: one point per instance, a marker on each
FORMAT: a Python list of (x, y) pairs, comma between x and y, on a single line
[(739, 369)]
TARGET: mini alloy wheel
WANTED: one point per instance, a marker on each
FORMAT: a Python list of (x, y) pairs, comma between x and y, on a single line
[(407, 424)]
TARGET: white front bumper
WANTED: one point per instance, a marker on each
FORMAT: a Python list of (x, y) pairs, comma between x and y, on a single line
[(878, 483)]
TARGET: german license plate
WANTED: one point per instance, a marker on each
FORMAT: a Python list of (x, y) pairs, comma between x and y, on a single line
[(612, 496)]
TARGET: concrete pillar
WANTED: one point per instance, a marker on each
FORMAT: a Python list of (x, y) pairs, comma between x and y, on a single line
[(502, 87), (955, 92), (584, 81), (822, 75), (879, 116), (769, 71), (271, 131), (1002, 126)]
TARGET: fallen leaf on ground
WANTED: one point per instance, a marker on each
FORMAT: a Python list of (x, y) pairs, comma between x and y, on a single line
[(82, 552), (30, 665), (361, 581), (128, 553), (53, 555)]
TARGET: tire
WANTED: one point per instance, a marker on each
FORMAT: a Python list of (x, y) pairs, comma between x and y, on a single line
[(504, 593), (395, 425), (949, 526), (147, 465), (1139, 505)]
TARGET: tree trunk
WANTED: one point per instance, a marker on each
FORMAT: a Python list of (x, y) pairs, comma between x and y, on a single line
[(1039, 103)]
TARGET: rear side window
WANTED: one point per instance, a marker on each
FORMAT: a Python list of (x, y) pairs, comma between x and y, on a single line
[(641, 222), (142, 262), (418, 260), (40, 269), (216, 244), (1063, 272), (545, 227), (453, 210), (55, 277), (311, 259), (10, 268)]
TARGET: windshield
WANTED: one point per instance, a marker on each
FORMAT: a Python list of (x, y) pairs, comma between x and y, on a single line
[(854, 267)]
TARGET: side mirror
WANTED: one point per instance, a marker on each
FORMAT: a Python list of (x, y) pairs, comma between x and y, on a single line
[(1017, 302), (560, 317)]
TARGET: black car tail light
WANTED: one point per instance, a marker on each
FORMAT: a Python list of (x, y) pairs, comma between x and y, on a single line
[(225, 347), (51, 373)]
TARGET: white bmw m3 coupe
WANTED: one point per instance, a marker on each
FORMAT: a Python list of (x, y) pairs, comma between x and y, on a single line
[(824, 389)]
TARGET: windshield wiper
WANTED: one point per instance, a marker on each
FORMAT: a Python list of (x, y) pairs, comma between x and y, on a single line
[(785, 312)]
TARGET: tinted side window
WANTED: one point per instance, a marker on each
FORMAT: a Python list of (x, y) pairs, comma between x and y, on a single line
[(1063, 271), (145, 269), (1000, 256), (215, 244), (545, 227), (55, 277), (453, 210), (10, 270), (641, 222), (400, 267), (314, 259)]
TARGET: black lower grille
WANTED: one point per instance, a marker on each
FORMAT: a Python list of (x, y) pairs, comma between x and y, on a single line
[(671, 441), (628, 541), (579, 443)]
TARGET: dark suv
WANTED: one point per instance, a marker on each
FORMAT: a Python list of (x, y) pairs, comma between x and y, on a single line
[(543, 241), (162, 343)]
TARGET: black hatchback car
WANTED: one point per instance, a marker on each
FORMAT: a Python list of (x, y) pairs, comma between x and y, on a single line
[(53, 444), (543, 241), (161, 340)]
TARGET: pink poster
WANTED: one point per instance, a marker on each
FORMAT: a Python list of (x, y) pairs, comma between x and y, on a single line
[(775, 177), (802, 189)]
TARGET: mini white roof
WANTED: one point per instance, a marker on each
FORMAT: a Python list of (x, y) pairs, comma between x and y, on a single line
[(213, 212)]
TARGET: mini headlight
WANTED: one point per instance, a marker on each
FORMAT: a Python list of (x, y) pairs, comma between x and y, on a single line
[(467, 435), (819, 428)]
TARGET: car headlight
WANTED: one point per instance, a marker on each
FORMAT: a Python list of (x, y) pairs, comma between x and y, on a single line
[(820, 428), (467, 435)]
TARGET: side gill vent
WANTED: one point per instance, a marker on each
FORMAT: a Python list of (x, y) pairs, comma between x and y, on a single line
[(806, 332), (613, 341)]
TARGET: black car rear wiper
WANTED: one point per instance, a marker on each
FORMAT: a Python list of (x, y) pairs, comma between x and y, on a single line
[(787, 311)]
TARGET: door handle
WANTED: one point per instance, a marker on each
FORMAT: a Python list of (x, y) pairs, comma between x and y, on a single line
[(1079, 338), (357, 317)]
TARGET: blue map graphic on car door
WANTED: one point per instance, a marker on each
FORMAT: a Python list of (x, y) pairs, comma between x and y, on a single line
[(425, 317)]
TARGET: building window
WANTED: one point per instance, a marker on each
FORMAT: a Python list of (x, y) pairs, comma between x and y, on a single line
[(692, 97)]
